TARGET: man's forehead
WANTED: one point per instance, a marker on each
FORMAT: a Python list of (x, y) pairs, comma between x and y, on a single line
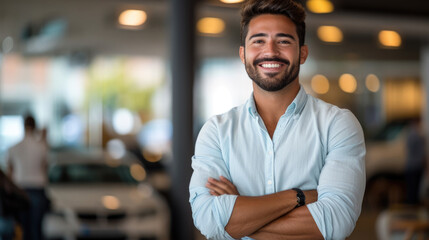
[(271, 23)]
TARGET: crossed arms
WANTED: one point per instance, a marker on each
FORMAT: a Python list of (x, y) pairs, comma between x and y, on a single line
[(331, 212), (270, 216)]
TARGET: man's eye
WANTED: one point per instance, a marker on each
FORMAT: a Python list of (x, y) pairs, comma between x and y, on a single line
[(258, 41), (284, 42)]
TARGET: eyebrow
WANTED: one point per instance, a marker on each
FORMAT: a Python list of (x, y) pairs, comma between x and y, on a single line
[(277, 35)]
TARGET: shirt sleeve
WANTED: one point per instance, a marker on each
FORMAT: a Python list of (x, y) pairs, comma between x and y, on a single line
[(210, 213), (342, 179)]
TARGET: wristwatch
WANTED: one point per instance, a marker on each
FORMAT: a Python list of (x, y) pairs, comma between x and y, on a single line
[(300, 197)]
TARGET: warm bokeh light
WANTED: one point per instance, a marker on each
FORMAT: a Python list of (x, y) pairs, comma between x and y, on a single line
[(232, 1), (389, 38), (138, 172), (320, 6), (372, 83), (348, 83), (330, 34), (210, 25), (320, 84), (110, 202), (132, 18), (151, 156)]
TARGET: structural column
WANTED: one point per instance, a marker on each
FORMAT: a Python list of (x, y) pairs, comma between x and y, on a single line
[(182, 38), (424, 61)]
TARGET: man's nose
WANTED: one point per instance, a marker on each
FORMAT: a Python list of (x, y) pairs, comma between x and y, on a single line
[(271, 49)]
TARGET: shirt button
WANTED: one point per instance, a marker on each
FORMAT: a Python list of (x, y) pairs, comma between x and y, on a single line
[(270, 182)]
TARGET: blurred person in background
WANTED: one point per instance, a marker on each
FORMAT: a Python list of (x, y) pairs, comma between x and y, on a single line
[(257, 167), (416, 161), (13, 201), (27, 167)]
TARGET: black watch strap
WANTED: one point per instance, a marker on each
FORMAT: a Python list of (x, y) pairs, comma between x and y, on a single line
[(300, 197)]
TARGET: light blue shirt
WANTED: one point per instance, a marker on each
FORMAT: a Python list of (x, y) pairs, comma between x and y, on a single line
[(315, 145)]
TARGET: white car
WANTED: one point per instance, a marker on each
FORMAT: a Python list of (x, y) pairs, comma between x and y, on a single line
[(95, 196)]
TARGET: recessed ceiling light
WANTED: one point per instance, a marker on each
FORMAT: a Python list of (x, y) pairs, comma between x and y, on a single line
[(348, 83), (210, 25), (132, 18), (330, 34), (320, 84), (389, 38), (372, 83), (320, 6)]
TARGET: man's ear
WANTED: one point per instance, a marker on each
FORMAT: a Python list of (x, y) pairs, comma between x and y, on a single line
[(241, 52), (304, 54)]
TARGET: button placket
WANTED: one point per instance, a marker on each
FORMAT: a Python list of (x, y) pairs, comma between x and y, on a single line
[(270, 167)]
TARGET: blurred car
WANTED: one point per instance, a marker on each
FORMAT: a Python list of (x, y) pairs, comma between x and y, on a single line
[(95, 196), (386, 151), (385, 165)]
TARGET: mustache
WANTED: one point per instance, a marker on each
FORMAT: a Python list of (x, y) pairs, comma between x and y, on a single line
[(258, 61)]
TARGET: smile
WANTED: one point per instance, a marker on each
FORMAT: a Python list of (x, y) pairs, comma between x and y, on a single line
[(270, 65)]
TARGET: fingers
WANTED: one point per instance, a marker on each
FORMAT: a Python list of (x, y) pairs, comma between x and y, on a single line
[(221, 186), (231, 187), (214, 193), (215, 186)]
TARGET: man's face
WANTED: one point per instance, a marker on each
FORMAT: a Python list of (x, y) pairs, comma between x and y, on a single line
[(271, 53)]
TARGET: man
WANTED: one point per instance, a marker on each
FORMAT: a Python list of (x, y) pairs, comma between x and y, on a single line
[(258, 166), (27, 167)]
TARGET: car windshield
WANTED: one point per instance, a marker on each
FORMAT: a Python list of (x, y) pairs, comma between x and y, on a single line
[(90, 173)]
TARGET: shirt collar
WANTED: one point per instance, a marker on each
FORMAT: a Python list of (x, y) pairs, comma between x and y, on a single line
[(300, 100), (251, 106), (294, 108)]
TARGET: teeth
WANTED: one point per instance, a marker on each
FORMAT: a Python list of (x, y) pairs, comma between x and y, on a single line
[(270, 65)]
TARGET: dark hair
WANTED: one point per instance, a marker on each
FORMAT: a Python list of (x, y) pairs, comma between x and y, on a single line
[(289, 8), (29, 123)]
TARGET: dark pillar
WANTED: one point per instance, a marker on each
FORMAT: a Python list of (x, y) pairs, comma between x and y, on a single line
[(182, 38), (424, 63)]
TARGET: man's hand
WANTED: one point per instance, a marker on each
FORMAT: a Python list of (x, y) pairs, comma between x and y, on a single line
[(221, 186)]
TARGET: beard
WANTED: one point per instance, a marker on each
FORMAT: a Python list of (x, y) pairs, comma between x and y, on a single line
[(275, 81)]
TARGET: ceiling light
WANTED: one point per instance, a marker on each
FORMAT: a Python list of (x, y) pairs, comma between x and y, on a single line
[(348, 83), (372, 83), (320, 84), (320, 6), (389, 38), (330, 34), (210, 26), (132, 18), (232, 1)]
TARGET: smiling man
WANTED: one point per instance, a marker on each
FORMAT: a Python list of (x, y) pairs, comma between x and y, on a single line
[(284, 165)]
